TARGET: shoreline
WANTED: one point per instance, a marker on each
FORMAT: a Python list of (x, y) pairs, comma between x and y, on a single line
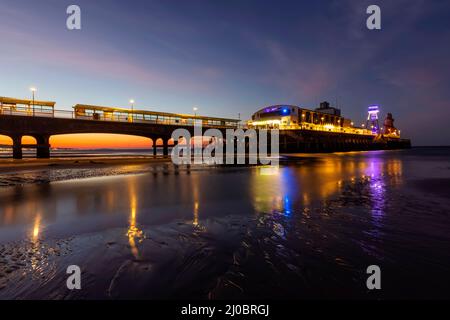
[(15, 173), (12, 166)]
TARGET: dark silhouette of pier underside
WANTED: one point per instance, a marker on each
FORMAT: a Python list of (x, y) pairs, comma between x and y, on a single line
[(42, 128), (310, 141), (40, 120)]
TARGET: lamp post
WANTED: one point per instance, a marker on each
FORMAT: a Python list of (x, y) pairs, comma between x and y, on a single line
[(195, 114), (132, 109), (33, 90)]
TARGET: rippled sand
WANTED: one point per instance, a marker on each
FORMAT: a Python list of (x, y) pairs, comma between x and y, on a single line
[(293, 235), (38, 171)]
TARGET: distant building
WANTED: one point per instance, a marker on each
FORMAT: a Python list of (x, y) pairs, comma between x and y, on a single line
[(324, 118), (389, 128), (325, 107), (294, 117)]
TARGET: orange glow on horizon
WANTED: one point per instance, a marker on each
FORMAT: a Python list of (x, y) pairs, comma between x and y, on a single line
[(100, 141), (5, 140), (92, 141), (28, 140)]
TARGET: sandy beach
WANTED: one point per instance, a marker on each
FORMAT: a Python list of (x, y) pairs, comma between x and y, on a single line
[(12, 165), (37, 171), (139, 229)]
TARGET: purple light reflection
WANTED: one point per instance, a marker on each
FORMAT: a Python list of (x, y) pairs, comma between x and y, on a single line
[(377, 193)]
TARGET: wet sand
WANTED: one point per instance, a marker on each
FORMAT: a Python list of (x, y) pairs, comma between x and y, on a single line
[(308, 231), (38, 171), (11, 165)]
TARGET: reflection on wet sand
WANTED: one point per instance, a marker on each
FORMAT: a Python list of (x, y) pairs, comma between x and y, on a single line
[(375, 173), (195, 220), (35, 248), (36, 228), (231, 229), (286, 189), (318, 179), (195, 185), (133, 233)]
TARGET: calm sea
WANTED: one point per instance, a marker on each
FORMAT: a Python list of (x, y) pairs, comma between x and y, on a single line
[(64, 153)]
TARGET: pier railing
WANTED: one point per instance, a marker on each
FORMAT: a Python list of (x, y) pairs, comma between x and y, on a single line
[(131, 118)]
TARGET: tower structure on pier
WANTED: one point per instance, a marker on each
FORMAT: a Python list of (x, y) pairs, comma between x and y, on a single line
[(372, 119)]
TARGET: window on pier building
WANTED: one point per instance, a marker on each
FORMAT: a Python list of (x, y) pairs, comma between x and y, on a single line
[(315, 118), (308, 117)]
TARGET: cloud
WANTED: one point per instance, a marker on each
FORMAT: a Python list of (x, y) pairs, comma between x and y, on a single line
[(99, 61)]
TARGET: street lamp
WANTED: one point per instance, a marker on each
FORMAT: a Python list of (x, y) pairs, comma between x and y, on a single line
[(33, 90), (132, 109), (195, 113)]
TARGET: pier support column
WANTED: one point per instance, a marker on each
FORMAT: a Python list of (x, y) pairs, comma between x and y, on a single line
[(43, 147), (154, 146), (17, 147), (165, 147)]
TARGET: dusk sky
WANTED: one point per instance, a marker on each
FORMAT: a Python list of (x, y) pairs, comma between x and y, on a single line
[(230, 57)]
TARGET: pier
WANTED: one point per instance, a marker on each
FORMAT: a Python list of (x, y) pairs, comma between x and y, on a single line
[(40, 120), (314, 141)]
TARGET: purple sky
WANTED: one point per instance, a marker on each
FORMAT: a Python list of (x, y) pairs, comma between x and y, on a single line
[(230, 57)]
